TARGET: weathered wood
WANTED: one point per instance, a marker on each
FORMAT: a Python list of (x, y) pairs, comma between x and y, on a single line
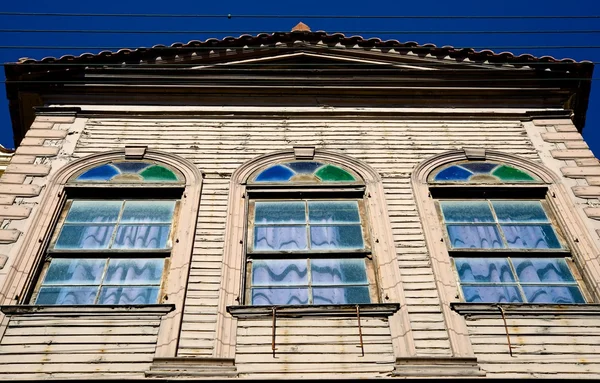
[(40, 151), (567, 154), (20, 190), (31, 170), (561, 137)]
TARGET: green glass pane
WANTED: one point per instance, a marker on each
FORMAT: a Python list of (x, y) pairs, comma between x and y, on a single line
[(334, 174), (508, 173), (158, 173)]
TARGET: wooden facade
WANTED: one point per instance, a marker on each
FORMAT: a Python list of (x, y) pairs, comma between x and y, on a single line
[(390, 112)]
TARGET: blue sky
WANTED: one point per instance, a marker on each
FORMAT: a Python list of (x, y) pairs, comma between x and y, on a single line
[(404, 29)]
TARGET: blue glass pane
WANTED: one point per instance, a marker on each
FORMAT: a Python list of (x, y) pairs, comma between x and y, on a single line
[(553, 294), (279, 212), (75, 271), (142, 295), (304, 167), (333, 212), (466, 211), (338, 271), (275, 238), (94, 211), (148, 211), (131, 167), (546, 270), (279, 272), (453, 173), (341, 295), (279, 296), (491, 270), (142, 237), (69, 295), (84, 237), (491, 294), (277, 173), (519, 211), (134, 271), (530, 237), (99, 173), (471, 236), (336, 237), (479, 167)]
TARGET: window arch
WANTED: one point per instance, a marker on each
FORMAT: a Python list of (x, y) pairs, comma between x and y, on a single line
[(499, 230), (111, 234)]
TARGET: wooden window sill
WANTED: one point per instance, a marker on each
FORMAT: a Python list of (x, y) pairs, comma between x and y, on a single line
[(86, 310), (524, 309), (294, 311)]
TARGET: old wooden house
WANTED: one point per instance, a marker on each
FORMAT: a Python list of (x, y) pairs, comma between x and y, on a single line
[(299, 205)]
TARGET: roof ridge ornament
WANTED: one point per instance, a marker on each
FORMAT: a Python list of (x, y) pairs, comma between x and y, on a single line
[(301, 27)]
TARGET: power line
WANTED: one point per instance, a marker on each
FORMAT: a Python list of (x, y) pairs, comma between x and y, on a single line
[(104, 31), (230, 16)]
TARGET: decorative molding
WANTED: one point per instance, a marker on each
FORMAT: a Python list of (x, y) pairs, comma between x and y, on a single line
[(304, 152), (524, 309), (86, 310), (192, 367), (437, 366), (135, 152), (57, 111), (474, 153), (373, 309)]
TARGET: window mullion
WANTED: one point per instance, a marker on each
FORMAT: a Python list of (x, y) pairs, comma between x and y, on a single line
[(101, 284), (497, 223), (518, 282), (114, 234)]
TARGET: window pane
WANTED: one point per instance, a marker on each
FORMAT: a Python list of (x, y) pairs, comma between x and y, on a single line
[(94, 211), (68, 295), (341, 295), (279, 296), (134, 271), (553, 294), (530, 237), (304, 167), (333, 212), (158, 173), (101, 173), (131, 167), (84, 237), (275, 173), (129, 295), (279, 212), (519, 211), (336, 237), (483, 270), (479, 167), (542, 270), (75, 272), (334, 174), (453, 173), (508, 173), (273, 238), (466, 211), (142, 237), (471, 236), (148, 211), (491, 294), (338, 271), (279, 272)]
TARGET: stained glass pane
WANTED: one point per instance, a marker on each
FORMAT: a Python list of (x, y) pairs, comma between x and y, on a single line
[(479, 167), (491, 294), (472, 236), (139, 295), (84, 237), (75, 271), (336, 237), (489, 270), (338, 271), (100, 173), (466, 211), (279, 272), (341, 295), (131, 167), (94, 211), (547, 270), (519, 211), (333, 212), (508, 173), (141, 237), (158, 173), (275, 238), (68, 295), (334, 174), (453, 173), (304, 167), (279, 212), (553, 294), (134, 271), (148, 211), (277, 173), (279, 296), (530, 237)]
